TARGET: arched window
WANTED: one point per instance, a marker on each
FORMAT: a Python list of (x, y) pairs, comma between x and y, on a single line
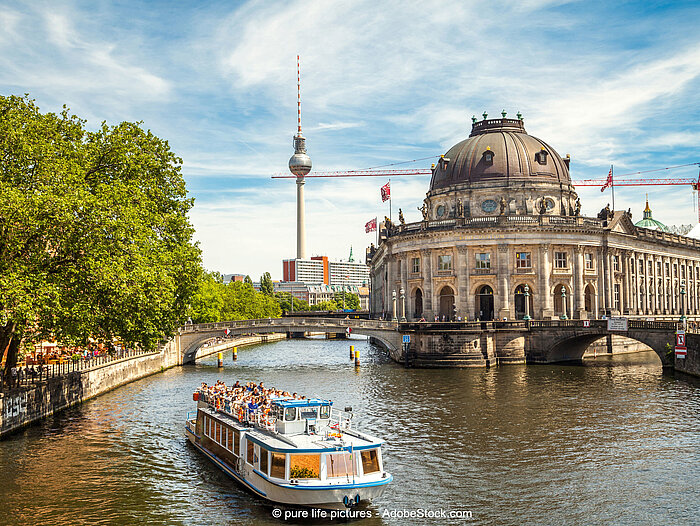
[(418, 304)]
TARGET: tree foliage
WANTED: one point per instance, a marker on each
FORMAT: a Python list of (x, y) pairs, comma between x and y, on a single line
[(352, 301), (95, 242), (266, 286)]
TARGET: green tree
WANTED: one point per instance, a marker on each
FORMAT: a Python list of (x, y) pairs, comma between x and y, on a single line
[(266, 286), (248, 280), (329, 305), (95, 242), (243, 302), (208, 299), (283, 300), (352, 301)]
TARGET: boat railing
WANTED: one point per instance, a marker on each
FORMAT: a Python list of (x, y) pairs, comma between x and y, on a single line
[(341, 419), (239, 411)]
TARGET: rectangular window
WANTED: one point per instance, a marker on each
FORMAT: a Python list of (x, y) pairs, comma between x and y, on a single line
[(370, 461), (230, 440), (415, 265), (338, 465), (641, 266), (560, 260), (277, 465), (304, 466), (658, 268), (236, 442), (250, 452), (445, 262), (616, 263), (522, 260), (218, 433), (263, 460), (667, 269), (617, 296), (209, 427), (650, 268), (588, 261), (483, 260)]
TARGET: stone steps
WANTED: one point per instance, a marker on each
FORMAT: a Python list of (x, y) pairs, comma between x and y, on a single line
[(474, 359)]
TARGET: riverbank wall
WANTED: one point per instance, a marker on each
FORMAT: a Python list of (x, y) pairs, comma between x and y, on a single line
[(25, 405), (691, 363)]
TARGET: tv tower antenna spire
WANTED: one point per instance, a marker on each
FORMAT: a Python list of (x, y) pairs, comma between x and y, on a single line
[(300, 165)]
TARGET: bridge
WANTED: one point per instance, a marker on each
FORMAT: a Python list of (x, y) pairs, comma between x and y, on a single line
[(450, 344)]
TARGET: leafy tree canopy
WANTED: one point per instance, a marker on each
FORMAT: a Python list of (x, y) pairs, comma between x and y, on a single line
[(266, 286), (94, 237)]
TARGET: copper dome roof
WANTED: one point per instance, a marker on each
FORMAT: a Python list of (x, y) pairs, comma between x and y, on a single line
[(499, 150)]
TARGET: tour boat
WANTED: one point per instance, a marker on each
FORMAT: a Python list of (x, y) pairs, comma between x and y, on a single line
[(298, 452)]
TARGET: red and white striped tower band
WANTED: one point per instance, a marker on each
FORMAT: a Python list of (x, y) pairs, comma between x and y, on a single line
[(300, 165)]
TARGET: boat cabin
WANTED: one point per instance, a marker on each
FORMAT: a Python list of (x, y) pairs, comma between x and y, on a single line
[(301, 416)]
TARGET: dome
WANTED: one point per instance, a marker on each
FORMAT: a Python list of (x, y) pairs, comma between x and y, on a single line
[(500, 151), (649, 222)]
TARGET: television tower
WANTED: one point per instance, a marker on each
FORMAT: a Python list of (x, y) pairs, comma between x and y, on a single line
[(300, 165)]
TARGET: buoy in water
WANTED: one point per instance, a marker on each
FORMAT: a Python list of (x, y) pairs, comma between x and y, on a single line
[(235, 354), (352, 352), (220, 359), (357, 358)]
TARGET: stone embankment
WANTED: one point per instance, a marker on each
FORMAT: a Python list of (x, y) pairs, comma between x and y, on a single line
[(691, 363), (25, 405)]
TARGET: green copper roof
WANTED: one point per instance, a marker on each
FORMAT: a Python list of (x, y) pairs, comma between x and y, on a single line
[(653, 224), (649, 222)]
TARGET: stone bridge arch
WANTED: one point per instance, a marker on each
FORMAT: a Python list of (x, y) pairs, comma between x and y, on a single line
[(570, 345)]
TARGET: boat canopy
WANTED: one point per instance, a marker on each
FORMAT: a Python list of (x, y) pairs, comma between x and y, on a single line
[(292, 402)]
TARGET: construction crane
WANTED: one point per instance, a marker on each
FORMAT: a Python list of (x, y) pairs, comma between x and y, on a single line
[(693, 182)]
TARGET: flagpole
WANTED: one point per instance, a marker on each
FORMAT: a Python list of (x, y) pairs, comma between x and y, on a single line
[(612, 185), (389, 199), (376, 228)]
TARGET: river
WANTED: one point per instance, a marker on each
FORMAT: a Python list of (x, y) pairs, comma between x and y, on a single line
[(613, 441)]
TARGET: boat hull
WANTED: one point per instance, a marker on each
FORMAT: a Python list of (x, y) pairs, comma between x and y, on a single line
[(322, 497)]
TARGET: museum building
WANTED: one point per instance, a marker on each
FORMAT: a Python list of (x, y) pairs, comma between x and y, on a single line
[(502, 238)]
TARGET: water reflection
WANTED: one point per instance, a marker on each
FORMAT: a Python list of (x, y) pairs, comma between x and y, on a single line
[(612, 440)]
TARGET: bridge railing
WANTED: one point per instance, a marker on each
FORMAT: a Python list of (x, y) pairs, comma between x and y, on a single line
[(291, 323)]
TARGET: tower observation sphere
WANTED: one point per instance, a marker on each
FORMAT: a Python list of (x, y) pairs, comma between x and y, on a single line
[(300, 162)]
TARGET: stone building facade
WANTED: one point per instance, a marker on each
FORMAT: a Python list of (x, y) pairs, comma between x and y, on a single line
[(502, 238)]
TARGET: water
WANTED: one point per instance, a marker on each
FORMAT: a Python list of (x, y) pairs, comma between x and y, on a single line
[(611, 442)]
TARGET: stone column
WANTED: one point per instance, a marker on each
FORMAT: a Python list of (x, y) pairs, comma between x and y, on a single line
[(626, 282), (405, 259), (674, 286), (578, 282), (504, 282), (665, 287), (608, 282), (462, 278), (426, 262), (635, 289), (393, 305), (545, 292)]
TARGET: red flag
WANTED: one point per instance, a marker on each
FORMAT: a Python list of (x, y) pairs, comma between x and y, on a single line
[(608, 181), (386, 192), (371, 226)]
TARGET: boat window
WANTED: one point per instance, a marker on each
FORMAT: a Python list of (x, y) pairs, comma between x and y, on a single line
[(325, 411), (309, 412), (250, 452), (236, 442), (304, 466), (218, 433), (370, 461), (277, 465), (290, 413), (338, 464), (230, 440), (263, 460)]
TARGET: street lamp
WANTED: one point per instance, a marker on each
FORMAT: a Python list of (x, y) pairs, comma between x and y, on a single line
[(682, 320), (527, 304), (563, 303), (393, 301), (402, 294)]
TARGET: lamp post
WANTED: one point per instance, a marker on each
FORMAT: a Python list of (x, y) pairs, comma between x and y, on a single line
[(563, 303), (527, 304), (683, 319), (393, 308), (402, 294)]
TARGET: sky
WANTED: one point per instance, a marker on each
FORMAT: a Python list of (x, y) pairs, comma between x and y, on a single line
[(610, 83)]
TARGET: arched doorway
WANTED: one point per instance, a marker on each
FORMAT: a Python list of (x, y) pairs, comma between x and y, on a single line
[(519, 302), (484, 303), (447, 302), (589, 300), (558, 303), (418, 304)]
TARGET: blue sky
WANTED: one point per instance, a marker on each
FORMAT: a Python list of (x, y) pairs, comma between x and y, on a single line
[(382, 82)]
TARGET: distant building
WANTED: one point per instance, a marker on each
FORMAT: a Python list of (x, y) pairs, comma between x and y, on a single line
[(314, 294), (319, 270), (228, 278)]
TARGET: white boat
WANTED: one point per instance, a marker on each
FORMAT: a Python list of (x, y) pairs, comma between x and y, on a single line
[(301, 453)]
